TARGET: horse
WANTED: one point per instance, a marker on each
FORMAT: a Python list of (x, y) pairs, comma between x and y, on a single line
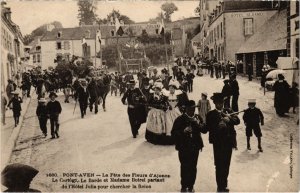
[(98, 90)]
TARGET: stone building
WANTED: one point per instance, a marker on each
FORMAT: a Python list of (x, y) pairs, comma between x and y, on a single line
[(232, 23), (12, 47)]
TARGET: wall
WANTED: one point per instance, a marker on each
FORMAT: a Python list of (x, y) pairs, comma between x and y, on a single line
[(7, 46), (294, 31), (234, 29)]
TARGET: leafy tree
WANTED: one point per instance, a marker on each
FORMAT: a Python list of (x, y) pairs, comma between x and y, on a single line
[(27, 39), (87, 11), (117, 14), (169, 9)]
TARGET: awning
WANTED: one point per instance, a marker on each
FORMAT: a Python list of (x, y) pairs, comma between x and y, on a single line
[(271, 36)]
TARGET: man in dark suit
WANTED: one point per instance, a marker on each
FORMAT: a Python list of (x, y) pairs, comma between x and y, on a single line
[(82, 95), (235, 93), (186, 132), (136, 110), (222, 135)]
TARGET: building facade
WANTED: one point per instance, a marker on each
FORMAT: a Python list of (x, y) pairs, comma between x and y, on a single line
[(12, 47), (68, 42), (293, 29), (232, 23)]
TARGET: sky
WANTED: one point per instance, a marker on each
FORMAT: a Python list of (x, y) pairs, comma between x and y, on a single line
[(30, 14)]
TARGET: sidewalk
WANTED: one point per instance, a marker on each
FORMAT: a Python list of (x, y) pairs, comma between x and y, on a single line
[(10, 133)]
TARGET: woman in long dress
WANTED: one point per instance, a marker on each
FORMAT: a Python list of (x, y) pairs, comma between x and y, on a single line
[(173, 111), (156, 120), (203, 106)]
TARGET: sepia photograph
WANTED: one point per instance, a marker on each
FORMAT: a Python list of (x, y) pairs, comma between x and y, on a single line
[(149, 96)]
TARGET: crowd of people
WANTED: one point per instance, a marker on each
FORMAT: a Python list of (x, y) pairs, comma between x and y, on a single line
[(161, 101)]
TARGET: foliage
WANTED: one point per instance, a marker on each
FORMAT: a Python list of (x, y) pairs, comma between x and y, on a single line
[(110, 55), (197, 10), (87, 11), (74, 67), (117, 14), (169, 9)]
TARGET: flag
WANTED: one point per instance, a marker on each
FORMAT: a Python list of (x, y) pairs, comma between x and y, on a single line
[(121, 55), (119, 29), (98, 36), (136, 46), (127, 45), (162, 27)]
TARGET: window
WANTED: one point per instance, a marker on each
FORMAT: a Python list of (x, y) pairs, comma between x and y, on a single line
[(296, 25), (59, 34), (87, 34), (34, 58), (66, 45), (218, 32), (297, 47), (38, 48), (221, 28), (112, 33), (58, 45), (248, 26), (38, 58)]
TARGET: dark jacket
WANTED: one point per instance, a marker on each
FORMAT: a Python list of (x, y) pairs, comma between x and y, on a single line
[(252, 117), (227, 91), (82, 94), (161, 103), (54, 108), (16, 104), (221, 133), (190, 77), (187, 141), (235, 87), (42, 111)]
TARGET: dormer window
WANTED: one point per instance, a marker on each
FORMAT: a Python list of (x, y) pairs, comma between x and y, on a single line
[(38, 48), (59, 34)]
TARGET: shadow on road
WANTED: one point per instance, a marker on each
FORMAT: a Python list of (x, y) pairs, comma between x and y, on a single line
[(246, 156), (147, 152)]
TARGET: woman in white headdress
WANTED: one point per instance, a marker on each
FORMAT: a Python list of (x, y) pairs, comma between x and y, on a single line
[(173, 100), (156, 121)]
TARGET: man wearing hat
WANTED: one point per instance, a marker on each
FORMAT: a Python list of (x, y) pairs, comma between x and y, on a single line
[(227, 92), (252, 117), (235, 93), (186, 132), (82, 95), (222, 135), (136, 111), (42, 114), (15, 105), (54, 109)]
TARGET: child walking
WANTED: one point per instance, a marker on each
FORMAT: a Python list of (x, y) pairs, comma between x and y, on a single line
[(54, 109), (203, 106), (15, 105), (252, 117)]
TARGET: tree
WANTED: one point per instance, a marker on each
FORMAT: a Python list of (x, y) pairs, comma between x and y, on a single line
[(116, 14), (28, 39), (169, 9), (197, 10), (158, 18), (87, 11)]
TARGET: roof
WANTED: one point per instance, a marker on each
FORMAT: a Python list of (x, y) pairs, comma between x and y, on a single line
[(231, 5), (177, 34), (34, 44), (197, 37), (77, 33), (271, 36)]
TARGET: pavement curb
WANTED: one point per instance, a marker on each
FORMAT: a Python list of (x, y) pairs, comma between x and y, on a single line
[(9, 146)]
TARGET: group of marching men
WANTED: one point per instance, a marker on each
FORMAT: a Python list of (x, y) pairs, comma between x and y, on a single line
[(171, 118)]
